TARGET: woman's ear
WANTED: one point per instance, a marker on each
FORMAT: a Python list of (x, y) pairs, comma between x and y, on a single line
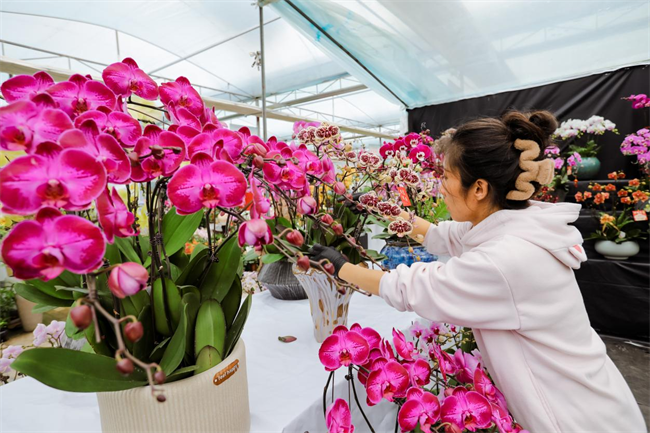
[(481, 189)]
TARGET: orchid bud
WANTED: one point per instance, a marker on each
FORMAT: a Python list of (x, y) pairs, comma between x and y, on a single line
[(303, 263), (258, 162), (134, 331), (338, 229), (306, 205), (127, 279), (329, 268), (125, 366), (159, 377), (81, 316), (287, 339), (161, 398), (134, 158), (295, 237), (157, 151), (339, 188), (259, 149), (327, 219)]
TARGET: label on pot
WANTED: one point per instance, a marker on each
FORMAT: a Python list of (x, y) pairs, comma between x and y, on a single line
[(639, 215), (223, 375)]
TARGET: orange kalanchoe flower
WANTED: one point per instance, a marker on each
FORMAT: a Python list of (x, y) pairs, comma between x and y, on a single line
[(579, 197), (634, 182), (610, 187), (639, 196), (626, 200), (612, 175), (622, 193), (606, 219), (597, 187), (587, 195)]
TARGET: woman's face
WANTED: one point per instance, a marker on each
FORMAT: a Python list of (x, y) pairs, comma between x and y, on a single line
[(455, 197)]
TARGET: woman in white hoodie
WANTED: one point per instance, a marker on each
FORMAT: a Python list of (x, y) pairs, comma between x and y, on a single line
[(511, 280)]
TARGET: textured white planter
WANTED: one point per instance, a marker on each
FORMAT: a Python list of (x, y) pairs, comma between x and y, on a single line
[(28, 319), (329, 308), (613, 251), (213, 401)]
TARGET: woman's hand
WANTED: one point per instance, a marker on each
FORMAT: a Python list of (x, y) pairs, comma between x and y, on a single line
[(319, 252)]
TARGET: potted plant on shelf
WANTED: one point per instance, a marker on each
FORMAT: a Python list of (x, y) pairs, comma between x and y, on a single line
[(115, 205), (582, 136), (621, 211)]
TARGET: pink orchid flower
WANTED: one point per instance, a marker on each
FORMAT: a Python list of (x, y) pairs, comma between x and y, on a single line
[(467, 409), (307, 205), (103, 147), (255, 232), (446, 363), (114, 217), (363, 373), (182, 94), (125, 78), (467, 365), (372, 337), (421, 152), (260, 205), (387, 379), (206, 183), (329, 170), (51, 243), (287, 177), (25, 86), (421, 408), (159, 153), (187, 133), (412, 139), (51, 332), (485, 387), (338, 417), (416, 329), (387, 150), (404, 348), (219, 143), (24, 125), (343, 348), (127, 279), (302, 124), (502, 419), (122, 126), (419, 372), (387, 350), (181, 116), (308, 161), (80, 94), (70, 179)]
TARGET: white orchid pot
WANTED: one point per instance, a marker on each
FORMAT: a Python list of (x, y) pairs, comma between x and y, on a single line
[(613, 251), (213, 401), (28, 319), (329, 308)]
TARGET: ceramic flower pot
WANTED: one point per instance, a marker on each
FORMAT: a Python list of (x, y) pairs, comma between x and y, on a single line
[(613, 251), (28, 319), (329, 308), (588, 168), (213, 401), (397, 253), (281, 282)]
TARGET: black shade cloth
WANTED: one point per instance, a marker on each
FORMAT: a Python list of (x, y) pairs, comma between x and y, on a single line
[(616, 294), (578, 99)]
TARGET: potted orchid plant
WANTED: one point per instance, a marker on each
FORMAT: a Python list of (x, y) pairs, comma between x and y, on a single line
[(621, 211), (115, 177), (582, 136), (435, 376)]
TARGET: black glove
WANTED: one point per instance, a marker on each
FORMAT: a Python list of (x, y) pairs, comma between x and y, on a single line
[(319, 252), (352, 203)]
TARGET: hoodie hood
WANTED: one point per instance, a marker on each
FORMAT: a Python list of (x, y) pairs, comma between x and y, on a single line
[(543, 224)]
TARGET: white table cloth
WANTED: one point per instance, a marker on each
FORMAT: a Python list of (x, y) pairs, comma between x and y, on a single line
[(285, 380)]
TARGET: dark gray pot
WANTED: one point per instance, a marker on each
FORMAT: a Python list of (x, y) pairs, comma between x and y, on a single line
[(279, 279)]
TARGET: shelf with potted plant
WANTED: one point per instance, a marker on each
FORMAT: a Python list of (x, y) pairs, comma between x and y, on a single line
[(621, 210)]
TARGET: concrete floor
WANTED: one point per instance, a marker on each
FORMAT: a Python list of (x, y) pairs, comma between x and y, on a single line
[(631, 357), (634, 363)]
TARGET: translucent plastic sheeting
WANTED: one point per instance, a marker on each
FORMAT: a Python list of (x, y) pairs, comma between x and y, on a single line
[(211, 41), (429, 52)]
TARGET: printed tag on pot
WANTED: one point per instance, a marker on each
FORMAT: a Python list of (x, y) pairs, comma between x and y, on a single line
[(404, 196), (639, 215), (223, 375)]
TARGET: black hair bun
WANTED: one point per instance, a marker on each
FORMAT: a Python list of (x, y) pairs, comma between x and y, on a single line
[(537, 126)]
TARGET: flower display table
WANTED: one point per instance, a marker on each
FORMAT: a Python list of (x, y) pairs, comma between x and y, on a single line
[(285, 379)]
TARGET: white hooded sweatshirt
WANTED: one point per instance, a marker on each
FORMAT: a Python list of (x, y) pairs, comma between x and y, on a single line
[(511, 279)]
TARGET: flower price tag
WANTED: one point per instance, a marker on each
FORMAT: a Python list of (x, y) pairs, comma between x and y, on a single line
[(404, 196), (639, 215), (225, 374)]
